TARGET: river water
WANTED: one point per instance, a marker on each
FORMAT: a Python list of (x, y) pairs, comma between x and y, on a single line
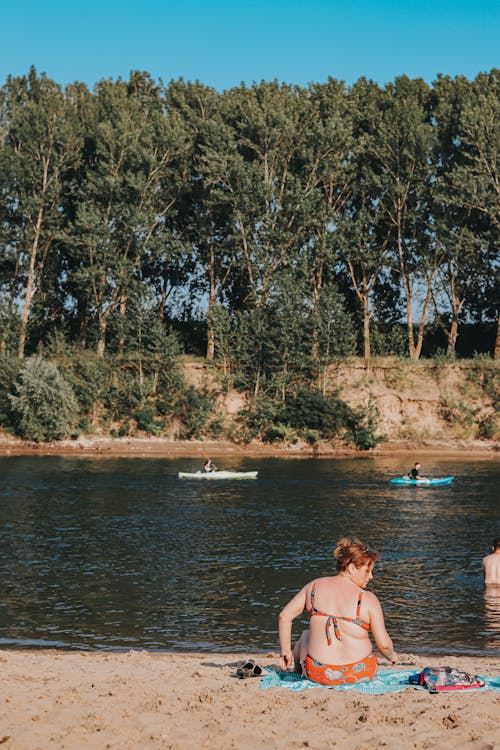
[(113, 554)]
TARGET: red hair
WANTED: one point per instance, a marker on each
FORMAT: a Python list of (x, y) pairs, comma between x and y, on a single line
[(353, 551)]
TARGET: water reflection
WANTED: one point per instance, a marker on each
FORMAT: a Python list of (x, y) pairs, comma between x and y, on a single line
[(492, 614), (115, 553)]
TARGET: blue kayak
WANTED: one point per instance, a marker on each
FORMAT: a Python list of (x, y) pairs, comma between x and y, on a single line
[(422, 482)]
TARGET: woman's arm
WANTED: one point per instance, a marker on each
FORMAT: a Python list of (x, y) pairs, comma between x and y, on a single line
[(377, 626), (293, 609)]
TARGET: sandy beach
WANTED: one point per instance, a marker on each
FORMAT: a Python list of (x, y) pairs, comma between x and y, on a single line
[(138, 699)]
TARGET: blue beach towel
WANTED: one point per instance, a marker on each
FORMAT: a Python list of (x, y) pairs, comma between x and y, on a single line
[(386, 681)]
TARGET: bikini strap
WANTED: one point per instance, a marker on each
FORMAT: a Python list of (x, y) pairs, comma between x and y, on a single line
[(313, 590), (358, 607)]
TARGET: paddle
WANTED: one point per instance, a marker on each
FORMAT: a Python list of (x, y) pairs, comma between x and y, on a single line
[(213, 466)]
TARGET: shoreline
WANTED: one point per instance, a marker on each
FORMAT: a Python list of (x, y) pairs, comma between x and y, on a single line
[(173, 701), (163, 448), (490, 655)]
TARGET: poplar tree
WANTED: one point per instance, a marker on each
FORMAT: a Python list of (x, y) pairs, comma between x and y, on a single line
[(206, 197), (459, 229), (363, 234), (38, 148), (402, 146), (124, 197), (475, 180)]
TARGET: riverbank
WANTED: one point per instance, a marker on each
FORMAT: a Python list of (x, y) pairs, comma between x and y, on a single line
[(151, 446), (138, 699)]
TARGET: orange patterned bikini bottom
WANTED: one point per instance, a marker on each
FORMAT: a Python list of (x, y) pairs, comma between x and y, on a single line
[(333, 674)]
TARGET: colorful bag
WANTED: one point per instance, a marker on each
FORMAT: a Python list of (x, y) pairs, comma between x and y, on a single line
[(441, 679)]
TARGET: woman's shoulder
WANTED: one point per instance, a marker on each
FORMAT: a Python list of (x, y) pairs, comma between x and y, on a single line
[(369, 598)]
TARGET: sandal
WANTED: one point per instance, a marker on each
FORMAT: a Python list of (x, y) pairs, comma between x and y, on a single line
[(249, 669)]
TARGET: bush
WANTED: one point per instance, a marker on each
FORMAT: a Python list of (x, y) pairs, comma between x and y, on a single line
[(145, 418), (311, 437), (193, 408), (363, 426), (274, 433), (489, 428), (314, 417), (310, 410), (9, 370), (259, 415), (455, 412), (45, 408)]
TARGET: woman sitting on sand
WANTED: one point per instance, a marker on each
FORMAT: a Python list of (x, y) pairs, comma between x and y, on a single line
[(336, 648)]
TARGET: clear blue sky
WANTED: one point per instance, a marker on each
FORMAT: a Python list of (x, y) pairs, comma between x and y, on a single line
[(224, 43)]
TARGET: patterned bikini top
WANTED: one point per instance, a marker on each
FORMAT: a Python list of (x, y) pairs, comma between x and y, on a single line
[(332, 620)]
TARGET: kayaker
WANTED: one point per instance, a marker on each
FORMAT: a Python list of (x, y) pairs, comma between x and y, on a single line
[(415, 472), (336, 648), (491, 565), (209, 466)]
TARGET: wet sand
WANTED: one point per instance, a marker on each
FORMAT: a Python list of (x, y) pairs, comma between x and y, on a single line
[(161, 447)]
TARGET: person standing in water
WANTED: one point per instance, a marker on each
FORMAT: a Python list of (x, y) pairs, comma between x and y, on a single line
[(336, 649), (491, 565)]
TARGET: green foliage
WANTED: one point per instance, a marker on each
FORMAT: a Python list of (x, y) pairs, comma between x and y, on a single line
[(260, 414), (216, 428), (388, 340), (145, 418), (90, 377), (457, 413), (316, 217), (9, 369), (363, 427), (193, 408), (313, 411), (312, 438), (45, 407), (312, 416), (489, 427), (275, 433), (485, 371), (442, 358)]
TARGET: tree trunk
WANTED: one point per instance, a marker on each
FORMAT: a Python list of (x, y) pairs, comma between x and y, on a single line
[(408, 294), (210, 310), (425, 310), (452, 336), (30, 283), (366, 327), (496, 351), (123, 311), (453, 332), (210, 328), (101, 343), (363, 289), (318, 277)]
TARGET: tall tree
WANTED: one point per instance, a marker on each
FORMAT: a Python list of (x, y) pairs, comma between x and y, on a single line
[(125, 193), (475, 179), (364, 235), (402, 147), (38, 147), (205, 213), (324, 171), (270, 123), (460, 229)]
